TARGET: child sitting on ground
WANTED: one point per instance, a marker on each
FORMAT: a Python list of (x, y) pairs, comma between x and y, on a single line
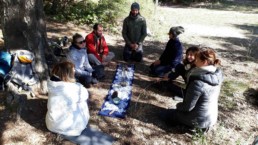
[(181, 69)]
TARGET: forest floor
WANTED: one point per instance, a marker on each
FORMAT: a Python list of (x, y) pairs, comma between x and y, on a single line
[(234, 36)]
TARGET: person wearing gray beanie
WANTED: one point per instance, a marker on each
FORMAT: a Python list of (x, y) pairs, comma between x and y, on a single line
[(134, 32)]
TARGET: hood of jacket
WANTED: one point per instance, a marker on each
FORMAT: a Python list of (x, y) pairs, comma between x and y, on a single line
[(208, 74)]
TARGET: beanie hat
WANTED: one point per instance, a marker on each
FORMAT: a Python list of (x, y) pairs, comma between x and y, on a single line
[(135, 5), (176, 30)]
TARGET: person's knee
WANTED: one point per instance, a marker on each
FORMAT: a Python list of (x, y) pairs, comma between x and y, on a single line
[(126, 56), (138, 57)]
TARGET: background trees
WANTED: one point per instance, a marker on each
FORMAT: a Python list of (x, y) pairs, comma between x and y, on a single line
[(23, 26)]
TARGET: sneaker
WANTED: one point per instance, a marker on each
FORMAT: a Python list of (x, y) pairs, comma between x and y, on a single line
[(178, 98), (94, 81)]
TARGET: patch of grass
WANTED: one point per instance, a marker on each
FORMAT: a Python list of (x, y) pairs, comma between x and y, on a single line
[(228, 91), (199, 137)]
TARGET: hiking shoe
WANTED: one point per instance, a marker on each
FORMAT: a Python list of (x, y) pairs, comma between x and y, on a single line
[(94, 81)]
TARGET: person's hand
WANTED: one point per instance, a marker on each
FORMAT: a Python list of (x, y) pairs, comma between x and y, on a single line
[(157, 62), (101, 50), (134, 46), (104, 57)]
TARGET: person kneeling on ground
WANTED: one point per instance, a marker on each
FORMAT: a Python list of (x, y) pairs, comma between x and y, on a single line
[(199, 108), (172, 55), (134, 32), (68, 113)]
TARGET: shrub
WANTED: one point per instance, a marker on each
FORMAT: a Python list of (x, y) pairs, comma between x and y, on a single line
[(86, 11)]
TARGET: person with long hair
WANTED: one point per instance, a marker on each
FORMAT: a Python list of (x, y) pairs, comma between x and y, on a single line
[(199, 108), (182, 70), (68, 112)]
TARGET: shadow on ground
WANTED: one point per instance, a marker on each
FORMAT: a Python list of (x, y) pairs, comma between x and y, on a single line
[(251, 96)]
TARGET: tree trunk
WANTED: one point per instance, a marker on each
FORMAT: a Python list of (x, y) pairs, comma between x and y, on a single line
[(24, 27)]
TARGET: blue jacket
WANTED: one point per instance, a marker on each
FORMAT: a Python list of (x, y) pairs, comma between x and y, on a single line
[(172, 54)]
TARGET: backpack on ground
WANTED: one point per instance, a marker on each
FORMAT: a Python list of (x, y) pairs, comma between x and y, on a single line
[(5, 66), (22, 73)]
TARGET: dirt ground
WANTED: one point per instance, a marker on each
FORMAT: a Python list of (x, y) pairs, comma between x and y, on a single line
[(233, 34)]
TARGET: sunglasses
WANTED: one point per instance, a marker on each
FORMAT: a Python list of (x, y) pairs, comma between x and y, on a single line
[(80, 42)]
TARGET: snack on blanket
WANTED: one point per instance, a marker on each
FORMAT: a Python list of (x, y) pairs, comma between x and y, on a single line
[(115, 98)]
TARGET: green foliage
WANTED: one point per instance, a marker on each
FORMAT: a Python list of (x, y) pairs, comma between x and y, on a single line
[(199, 137), (89, 12), (229, 89)]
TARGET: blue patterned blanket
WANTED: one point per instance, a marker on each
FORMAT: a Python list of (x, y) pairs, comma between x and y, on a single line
[(118, 98)]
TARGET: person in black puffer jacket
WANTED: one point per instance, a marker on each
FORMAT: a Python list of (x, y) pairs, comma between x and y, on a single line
[(199, 108)]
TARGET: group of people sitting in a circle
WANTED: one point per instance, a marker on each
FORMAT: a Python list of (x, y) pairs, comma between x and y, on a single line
[(68, 112)]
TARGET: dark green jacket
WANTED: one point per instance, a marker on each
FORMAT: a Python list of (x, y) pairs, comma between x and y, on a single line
[(134, 29)]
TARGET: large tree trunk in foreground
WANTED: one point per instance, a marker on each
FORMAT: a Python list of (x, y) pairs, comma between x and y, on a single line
[(24, 27)]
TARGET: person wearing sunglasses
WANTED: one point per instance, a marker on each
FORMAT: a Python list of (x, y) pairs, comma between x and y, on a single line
[(98, 51), (78, 56)]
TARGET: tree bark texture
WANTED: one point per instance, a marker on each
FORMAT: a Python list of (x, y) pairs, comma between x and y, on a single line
[(24, 27)]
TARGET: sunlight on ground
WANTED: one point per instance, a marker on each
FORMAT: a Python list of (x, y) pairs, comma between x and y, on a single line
[(214, 31), (13, 134), (222, 30)]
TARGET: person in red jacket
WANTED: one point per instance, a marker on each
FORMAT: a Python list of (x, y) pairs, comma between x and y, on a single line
[(98, 51)]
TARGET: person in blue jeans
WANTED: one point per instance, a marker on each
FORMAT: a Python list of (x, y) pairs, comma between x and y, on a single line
[(78, 56), (172, 55), (68, 112)]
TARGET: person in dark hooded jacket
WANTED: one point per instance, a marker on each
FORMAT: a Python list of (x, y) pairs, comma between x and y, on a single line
[(199, 108), (171, 56)]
